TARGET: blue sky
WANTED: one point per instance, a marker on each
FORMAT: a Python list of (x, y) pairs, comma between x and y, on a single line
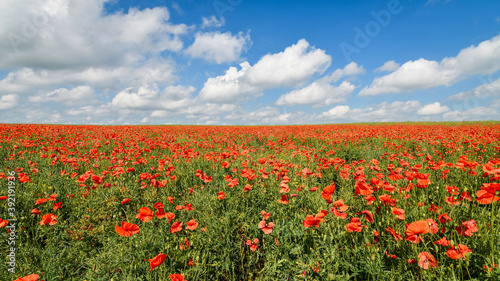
[(248, 62)]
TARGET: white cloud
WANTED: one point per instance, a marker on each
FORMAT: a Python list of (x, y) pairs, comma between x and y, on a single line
[(336, 112), (319, 93), (432, 109), (475, 114), (149, 97), (63, 34), (218, 47), (211, 22), (294, 65), (78, 95), (8, 101), (423, 74), (480, 92), (388, 66), (349, 70)]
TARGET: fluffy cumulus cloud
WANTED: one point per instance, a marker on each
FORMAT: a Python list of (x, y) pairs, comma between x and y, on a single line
[(150, 98), (432, 109), (294, 65), (211, 22), (388, 66), (219, 47), (422, 74), (68, 97), (480, 92), (8, 101), (321, 92)]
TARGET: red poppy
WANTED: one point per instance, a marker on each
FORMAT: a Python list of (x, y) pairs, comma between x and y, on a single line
[(176, 227), (31, 277), (396, 236), (3, 197), (170, 199), (400, 213), (127, 229), (40, 201), (35, 211), (265, 215), (125, 201), (247, 187), (170, 216), (442, 242), (191, 225), (253, 244), (444, 218), (179, 207), (190, 262), (338, 213), (145, 214), (433, 226), (354, 225), (460, 251), (328, 191), (49, 219), (467, 228), (221, 195), (185, 245), (284, 199), (414, 229), (368, 215), (3, 223), (57, 206), (188, 207), (177, 277), (339, 204), (426, 260), (160, 213), (267, 228), (158, 205), (53, 197), (156, 261), (488, 193)]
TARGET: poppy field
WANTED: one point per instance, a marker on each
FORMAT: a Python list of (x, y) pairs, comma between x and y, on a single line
[(393, 201)]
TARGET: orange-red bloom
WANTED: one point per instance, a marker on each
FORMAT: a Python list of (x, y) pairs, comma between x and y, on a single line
[(467, 228), (176, 227), (156, 261), (426, 260), (49, 219), (253, 244), (127, 229), (3, 223), (267, 228), (414, 229), (31, 277), (221, 195), (177, 277), (460, 251), (145, 214), (191, 225)]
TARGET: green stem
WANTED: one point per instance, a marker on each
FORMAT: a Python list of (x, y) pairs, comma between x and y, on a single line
[(492, 225)]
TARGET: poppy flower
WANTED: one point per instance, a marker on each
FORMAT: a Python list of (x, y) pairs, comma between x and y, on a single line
[(444, 218), (176, 227), (177, 277), (179, 207), (426, 260), (311, 221), (265, 215), (158, 205), (145, 214), (160, 213), (3, 223), (338, 213), (396, 236), (247, 187), (467, 228), (368, 215), (49, 219), (40, 201), (53, 197), (127, 229), (267, 228), (460, 251), (170, 216), (400, 213), (170, 199), (221, 195), (191, 225), (253, 244), (156, 261), (414, 229), (488, 193), (442, 242), (284, 199), (328, 191), (433, 226), (190, 262), (339, 204), (31, 277), (354, 225), (125, 201), (185, 245), (35, 211), (3, 197), (57, 206)]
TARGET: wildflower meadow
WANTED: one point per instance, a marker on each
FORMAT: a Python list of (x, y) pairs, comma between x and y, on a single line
[(393, 201)]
